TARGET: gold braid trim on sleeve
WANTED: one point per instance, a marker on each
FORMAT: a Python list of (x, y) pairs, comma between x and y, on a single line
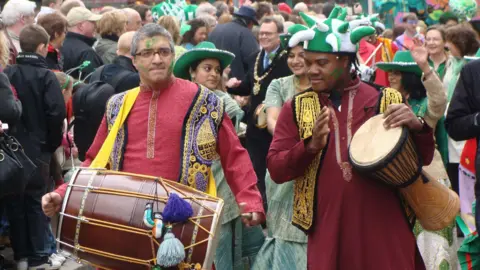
[(306, 107), (387, 97)]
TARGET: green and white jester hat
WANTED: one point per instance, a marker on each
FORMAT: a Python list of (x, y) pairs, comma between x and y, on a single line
[(333, 35)]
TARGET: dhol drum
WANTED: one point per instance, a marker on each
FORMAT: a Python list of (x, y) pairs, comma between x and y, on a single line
[(102, 221), (390, 156)]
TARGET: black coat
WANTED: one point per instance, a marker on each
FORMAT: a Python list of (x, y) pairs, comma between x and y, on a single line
[(278, 69), (258, 140), (54, 59), (40, 127), (10, 107), (120, 74), (75, 50), (236, 38), (463, 117)]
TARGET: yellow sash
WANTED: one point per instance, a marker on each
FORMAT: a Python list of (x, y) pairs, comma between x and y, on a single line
[(101, 160)]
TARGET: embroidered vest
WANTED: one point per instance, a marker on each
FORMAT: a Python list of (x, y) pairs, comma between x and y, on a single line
[(306, 107), (199, 137)]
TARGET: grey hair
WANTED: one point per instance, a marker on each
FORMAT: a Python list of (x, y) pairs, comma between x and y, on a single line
[(209, 19), (150, 30), (205, 9), (221, 7), (15, 9)]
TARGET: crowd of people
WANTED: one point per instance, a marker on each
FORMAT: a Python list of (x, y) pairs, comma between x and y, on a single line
[(283, 90)]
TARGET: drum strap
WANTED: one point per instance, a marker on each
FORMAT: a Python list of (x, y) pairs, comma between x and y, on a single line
[(101, 160)]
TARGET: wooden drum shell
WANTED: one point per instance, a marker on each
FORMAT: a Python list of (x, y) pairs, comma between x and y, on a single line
[(129, 211)]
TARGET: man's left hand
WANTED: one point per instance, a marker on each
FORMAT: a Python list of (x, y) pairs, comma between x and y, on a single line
[(251, 219), (398, 115)]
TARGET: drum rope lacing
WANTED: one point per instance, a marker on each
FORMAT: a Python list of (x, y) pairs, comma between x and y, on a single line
[(129, 229)]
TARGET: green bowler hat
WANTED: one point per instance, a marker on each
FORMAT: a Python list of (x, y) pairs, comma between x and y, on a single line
[(203, 50), (402, 61)]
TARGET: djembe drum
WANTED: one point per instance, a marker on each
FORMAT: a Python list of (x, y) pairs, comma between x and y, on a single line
[(390, 156), (102, 220)]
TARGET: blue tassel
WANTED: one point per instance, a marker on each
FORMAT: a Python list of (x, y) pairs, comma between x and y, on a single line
[(176, 209), (171, 252), (147, 216)]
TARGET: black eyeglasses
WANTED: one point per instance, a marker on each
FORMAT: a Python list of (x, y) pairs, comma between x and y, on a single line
[(149, 53)]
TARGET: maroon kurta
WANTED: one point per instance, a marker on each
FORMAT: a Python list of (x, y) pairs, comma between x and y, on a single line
[(358, 224), (170, 108)]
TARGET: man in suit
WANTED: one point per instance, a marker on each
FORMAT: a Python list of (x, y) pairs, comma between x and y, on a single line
[(270, 64)]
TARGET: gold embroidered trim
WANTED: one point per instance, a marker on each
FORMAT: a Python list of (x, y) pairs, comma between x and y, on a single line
[(152, 123), (389, 96), (306, 106)]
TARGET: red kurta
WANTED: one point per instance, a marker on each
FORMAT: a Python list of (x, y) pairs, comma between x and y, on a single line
[(171, 108), (359, 225)]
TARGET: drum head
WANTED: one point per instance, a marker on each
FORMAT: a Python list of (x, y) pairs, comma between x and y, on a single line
[(372, 143)]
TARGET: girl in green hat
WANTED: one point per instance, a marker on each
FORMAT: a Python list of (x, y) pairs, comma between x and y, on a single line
[(238, 245), (411, 74), (286, 245)]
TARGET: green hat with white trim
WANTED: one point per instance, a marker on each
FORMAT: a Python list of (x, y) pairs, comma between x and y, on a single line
[(203, 50), (334, 35), (402, 61), (290, 32)]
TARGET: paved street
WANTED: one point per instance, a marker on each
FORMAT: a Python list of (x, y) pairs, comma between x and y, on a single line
[(69, 264)]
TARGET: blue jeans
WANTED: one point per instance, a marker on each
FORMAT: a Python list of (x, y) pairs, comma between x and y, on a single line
[(28, 223)]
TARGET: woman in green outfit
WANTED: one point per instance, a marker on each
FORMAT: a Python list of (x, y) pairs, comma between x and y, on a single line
[(238, 245), (286, 245), (411, 74)]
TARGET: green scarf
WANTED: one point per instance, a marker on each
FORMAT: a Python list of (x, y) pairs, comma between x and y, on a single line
[(455, 68), (419, 108)]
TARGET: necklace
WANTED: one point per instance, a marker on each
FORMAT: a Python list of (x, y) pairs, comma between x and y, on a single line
[(258, 79), (345, 166), (296, 84)]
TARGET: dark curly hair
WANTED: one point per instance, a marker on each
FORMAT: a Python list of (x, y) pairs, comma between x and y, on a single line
[(412, 83), (464, 38), (190, 34)]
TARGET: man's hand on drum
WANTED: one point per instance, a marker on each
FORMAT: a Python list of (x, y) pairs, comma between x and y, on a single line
[(51, 203), (320, 131), (250, 219), (398, 115)]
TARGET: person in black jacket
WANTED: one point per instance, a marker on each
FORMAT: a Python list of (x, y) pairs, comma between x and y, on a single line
[(270, 64), (39, 131), (121, 74), (77, 47), (10, 106), (237, 38), (463, 116), (56, 26)]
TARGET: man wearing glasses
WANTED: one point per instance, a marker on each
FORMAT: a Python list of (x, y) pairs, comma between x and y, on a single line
[(405, 41), (174, 129), (270, 64)]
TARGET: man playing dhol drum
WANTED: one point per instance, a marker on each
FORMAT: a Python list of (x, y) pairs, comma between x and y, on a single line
[(352, 222), (174, 130)]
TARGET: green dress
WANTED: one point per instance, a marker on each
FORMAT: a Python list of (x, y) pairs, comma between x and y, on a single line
[(286, 245), (238, 245), (438, 248)]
